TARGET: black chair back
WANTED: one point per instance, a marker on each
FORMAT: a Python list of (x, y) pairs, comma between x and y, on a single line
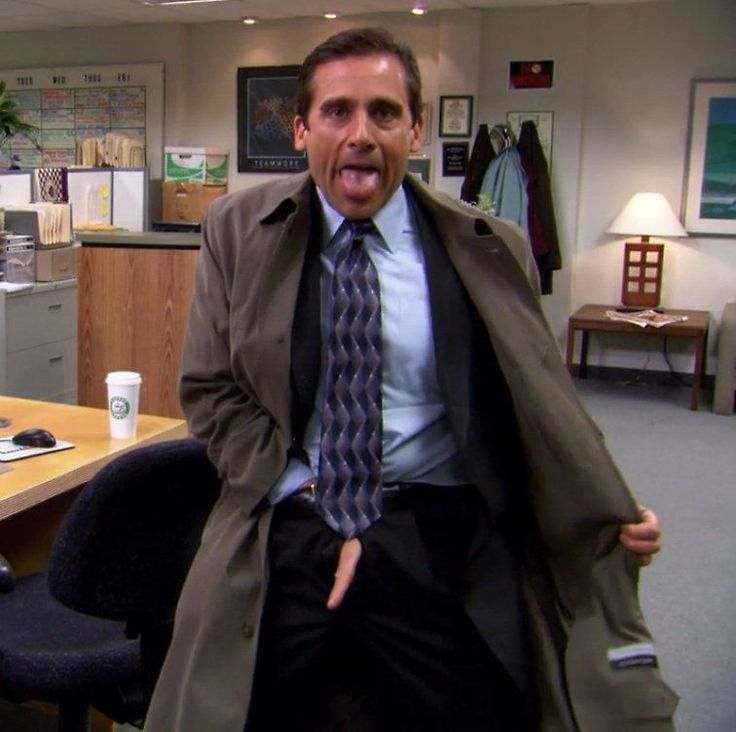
[(125, 547)]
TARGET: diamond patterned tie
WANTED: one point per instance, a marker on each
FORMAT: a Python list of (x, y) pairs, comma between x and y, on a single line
[(349, 487)]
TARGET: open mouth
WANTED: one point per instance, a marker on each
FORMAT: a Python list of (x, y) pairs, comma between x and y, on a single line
[(359, 182)]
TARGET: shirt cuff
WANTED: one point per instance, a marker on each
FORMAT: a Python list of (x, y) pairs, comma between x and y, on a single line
[(295, 474)]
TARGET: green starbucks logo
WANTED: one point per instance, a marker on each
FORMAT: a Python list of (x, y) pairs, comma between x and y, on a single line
[(119, 407)]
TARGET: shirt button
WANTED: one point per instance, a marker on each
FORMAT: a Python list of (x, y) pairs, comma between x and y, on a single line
[(247, 630)]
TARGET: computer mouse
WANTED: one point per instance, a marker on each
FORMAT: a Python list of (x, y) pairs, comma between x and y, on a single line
[(34, 437)]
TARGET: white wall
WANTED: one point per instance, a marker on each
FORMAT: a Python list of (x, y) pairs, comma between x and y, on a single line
[(620, 102), (220, 48), (641, 61), (560, 34)]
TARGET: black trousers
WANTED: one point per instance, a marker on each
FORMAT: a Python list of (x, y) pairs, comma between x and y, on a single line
[(400, 653)]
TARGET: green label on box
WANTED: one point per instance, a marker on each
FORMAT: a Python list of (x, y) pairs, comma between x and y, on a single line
[(216, 175), (183, 173)]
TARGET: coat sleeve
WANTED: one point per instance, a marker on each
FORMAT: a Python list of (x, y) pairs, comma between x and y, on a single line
[(222, 409)]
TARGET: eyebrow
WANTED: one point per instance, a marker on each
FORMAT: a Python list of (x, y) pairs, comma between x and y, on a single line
[(372, 104)]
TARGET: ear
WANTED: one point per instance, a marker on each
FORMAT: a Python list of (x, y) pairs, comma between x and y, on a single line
[(416, 134), (300, 133)]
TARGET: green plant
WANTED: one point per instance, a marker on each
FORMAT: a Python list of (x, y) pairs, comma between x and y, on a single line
[(10, 121), (486, 203)]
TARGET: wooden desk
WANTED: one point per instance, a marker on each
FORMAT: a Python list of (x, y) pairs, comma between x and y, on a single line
[(592, 319), (35, 492)]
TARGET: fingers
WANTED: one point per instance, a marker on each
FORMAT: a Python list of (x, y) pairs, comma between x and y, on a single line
[(643, 538), (346, 565)]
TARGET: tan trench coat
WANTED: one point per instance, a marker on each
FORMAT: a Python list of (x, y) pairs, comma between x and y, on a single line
[(236, 394)]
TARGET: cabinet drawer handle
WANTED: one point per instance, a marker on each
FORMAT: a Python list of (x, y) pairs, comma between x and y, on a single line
[(56, 359), (55, 307)]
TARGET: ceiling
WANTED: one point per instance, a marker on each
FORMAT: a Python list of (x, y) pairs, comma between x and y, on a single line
[(23, 15)]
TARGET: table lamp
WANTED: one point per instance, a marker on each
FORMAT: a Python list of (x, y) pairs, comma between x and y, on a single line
[(646, 214)]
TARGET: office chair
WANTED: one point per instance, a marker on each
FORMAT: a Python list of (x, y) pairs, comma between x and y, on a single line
[(93, 631)]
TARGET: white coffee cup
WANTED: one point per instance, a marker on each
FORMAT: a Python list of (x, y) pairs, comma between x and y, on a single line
[(123, 392)]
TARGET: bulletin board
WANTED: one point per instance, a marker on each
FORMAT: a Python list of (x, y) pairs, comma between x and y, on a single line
[(71, 103)]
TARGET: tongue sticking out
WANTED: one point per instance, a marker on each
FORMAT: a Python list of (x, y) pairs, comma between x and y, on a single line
[(359, 182)]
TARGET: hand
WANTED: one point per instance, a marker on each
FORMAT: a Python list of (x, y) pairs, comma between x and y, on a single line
[(346, 565), (643, 538)]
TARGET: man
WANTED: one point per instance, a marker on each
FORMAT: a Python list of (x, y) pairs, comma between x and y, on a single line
[(480, 584)]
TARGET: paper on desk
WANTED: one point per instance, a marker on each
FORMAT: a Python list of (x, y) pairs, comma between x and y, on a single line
[(643, 318), (27, 452)]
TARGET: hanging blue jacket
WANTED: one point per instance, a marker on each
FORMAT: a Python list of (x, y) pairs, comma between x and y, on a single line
[(505, 182)]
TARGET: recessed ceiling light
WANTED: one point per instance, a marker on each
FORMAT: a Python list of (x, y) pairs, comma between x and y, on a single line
[(179, 2), (249, 20), (332, 15), (419, 9)]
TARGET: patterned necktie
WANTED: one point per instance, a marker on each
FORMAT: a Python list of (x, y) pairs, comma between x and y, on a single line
[(349, 486)]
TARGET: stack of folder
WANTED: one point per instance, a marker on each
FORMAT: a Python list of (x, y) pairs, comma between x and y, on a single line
[(114, 150), (49, 224)]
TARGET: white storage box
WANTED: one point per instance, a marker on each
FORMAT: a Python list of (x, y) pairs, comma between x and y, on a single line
[(206, 165)]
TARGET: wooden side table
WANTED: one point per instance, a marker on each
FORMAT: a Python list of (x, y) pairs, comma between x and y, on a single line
[(592, 319)]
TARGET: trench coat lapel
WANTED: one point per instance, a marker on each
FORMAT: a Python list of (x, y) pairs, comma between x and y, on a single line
[(277, 304), (306, 335), (449, 329)]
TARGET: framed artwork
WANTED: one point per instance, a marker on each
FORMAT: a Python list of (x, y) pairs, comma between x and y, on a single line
[(456, 116), (543, 122), (710, 178), (427, 112), (266, 108)]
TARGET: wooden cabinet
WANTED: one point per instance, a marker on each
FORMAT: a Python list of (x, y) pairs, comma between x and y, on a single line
[(38, 342), (133, 306)]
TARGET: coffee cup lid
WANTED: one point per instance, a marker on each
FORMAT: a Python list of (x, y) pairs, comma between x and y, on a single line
[(123, 378)]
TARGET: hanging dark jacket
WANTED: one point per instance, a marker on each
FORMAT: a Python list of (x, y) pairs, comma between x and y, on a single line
[(480, 158), (542, 225)]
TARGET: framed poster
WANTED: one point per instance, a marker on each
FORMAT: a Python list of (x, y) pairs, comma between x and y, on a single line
[(531, 74), (710, 184), (266, 108), (456, 116)]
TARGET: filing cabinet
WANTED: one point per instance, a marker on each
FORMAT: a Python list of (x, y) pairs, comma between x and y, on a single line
[(38, 342)]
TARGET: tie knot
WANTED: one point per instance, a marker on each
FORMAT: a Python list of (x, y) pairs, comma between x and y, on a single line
[(360, 228)]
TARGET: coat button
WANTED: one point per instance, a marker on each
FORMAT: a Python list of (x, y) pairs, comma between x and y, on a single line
[(247, 630)]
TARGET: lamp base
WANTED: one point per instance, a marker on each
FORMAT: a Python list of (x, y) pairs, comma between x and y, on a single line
[(642, 274)]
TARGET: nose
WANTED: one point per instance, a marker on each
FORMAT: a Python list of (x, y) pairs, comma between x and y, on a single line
[(360, 131)]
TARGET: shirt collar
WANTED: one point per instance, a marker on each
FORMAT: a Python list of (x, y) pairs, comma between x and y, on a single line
[(391, 221)]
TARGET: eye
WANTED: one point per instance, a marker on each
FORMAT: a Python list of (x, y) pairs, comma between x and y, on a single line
[(385, 112), (336, 111)]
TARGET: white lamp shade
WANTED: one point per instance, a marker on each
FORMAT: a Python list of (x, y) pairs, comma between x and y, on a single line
[(647, 214)]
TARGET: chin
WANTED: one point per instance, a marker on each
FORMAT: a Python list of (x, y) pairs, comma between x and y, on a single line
[(359, 211)]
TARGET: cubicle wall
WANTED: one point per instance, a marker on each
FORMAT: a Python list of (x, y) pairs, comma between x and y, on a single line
[(97, 195)]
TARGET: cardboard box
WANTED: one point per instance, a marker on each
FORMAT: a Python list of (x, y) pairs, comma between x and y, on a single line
[(206, 165), (187, 201), (56, 264)]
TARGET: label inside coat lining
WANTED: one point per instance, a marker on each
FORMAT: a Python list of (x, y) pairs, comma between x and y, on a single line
[(636, 654)]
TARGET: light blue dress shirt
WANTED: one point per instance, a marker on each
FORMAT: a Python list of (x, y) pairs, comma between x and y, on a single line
[(417, 443)]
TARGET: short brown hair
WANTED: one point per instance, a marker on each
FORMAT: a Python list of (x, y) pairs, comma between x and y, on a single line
[(359, 42)]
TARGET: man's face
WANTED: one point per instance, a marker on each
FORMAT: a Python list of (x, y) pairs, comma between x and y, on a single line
[(358, 133)]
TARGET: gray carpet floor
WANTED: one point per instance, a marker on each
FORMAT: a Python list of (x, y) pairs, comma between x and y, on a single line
[(683, 465)]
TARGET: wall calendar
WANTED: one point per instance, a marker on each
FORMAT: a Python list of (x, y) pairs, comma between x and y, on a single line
[(72, 105)]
